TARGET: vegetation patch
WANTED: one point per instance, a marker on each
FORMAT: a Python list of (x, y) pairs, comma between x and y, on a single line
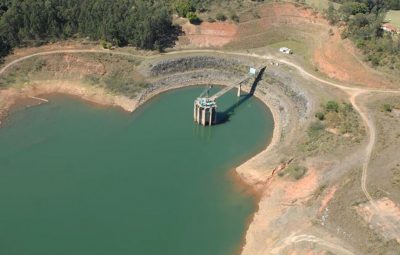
[(295, 171), (336, 125)]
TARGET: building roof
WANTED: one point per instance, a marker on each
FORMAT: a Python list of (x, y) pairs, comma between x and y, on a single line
[(390, 27)]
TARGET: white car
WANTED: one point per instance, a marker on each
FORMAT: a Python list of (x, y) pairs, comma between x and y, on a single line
[(286, 50)]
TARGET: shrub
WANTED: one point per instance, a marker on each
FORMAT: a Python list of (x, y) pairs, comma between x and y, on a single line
[(235, 17), (387, 108), (193, 18), (332, 106), (320, 115), (316, 126), (183, 8), (105, 45), (220, 16)]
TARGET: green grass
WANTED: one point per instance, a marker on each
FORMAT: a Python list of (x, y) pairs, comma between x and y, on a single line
[(319, 5), (299, 48), (394, 18)]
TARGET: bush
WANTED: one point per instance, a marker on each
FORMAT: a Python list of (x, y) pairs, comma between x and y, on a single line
[(320, 115), (193, 18), (105, 45), (332, 106), (387, 108), (183, 8), (316, 126), (235, 17), (220, 16)]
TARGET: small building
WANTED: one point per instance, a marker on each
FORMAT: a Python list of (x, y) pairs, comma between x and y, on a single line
[(286, 50), (390, 28)]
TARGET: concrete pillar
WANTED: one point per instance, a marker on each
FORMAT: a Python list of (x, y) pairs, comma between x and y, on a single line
[(239, 90), (198, 114), (210, 117), (194, 112), (203, 117)]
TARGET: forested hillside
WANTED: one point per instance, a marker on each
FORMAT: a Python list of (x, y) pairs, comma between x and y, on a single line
[(363, 20), (142, 23)]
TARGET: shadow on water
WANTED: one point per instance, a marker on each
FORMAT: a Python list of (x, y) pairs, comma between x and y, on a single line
[(224, 116)]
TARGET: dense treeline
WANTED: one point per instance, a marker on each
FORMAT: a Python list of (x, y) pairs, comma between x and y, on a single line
[(363, 20), (390, 4), (142, 23)]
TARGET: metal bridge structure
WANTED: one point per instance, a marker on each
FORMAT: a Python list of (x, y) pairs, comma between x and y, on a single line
[(205, 106)]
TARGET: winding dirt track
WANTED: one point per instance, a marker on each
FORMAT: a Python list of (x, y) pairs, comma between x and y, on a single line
[(352, 91), (293, 239)]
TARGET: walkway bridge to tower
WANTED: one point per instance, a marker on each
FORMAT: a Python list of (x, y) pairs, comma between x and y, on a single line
[(205, 106)]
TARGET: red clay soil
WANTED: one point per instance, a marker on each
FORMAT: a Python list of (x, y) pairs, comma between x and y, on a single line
[(208, 34), (338, 59)]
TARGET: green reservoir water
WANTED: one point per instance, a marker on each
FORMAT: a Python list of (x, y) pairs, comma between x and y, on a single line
[(76, 179)]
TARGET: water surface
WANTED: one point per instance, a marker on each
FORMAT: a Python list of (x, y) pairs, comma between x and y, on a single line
[(76, 179)]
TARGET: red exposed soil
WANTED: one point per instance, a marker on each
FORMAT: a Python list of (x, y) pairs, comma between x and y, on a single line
[(325, 201), (208, 34), (338, 59)]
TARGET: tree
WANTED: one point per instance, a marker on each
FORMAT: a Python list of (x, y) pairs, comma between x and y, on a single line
[(332, 106), (5, 47), (141, 23), (193, 18), (352, 8), (320, 115), (183, 7), (331, 14), (394, 4)]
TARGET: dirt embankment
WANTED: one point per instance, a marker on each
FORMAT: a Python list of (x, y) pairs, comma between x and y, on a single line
[(9, 97)]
